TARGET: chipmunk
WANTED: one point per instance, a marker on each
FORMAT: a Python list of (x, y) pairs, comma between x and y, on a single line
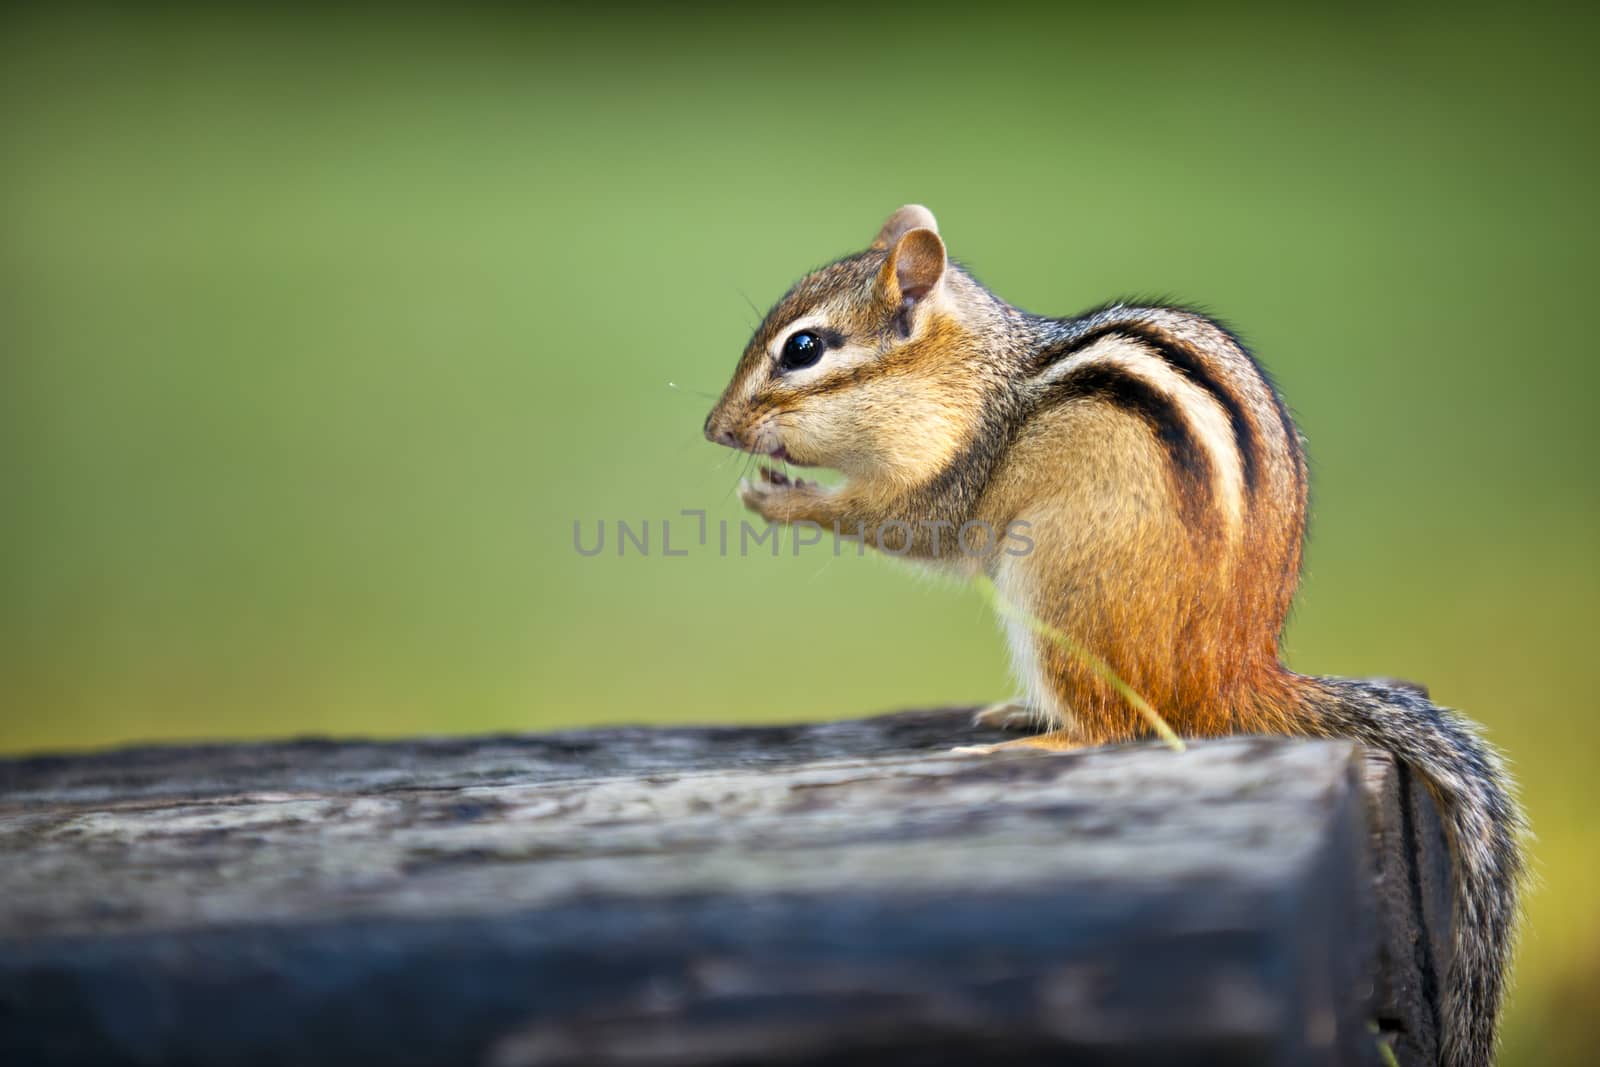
[(1162, 483)]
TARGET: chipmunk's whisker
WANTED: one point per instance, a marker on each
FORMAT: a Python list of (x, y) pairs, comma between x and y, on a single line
[(676, 388), (753, 307), (744, 471)]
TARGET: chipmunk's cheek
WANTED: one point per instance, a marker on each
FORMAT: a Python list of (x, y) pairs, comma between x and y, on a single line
[(817, 440)]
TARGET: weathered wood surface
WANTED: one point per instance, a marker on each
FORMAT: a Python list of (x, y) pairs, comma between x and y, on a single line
[(838, 893)]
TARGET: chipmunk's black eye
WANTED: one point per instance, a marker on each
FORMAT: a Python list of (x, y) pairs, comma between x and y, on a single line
[(800, 350)]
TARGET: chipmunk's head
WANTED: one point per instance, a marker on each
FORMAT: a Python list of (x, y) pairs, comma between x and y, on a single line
[(859, 366)]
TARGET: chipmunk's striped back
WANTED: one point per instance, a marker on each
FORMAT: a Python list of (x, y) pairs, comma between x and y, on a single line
[(1228, 462)]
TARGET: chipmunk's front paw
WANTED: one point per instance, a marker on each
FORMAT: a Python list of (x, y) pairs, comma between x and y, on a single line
[(778, 498)]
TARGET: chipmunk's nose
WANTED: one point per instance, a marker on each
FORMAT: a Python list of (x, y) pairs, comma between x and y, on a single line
[(719, 434)]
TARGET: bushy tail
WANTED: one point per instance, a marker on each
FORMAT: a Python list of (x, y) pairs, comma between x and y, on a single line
[(1473, 792)]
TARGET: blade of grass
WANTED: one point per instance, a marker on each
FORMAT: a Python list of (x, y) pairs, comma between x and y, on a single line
[(1100, 667), (1385, 1050)]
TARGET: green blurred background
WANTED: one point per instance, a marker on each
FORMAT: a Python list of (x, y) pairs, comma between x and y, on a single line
[(318, 333)]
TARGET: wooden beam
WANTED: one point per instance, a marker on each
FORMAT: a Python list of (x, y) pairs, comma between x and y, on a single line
[(833, 893)]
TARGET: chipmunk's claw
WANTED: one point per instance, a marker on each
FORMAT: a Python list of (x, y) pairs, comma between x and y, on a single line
[(780, 479)]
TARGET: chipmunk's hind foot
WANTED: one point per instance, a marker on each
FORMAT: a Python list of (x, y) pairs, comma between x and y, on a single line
[(1054, 741), (1010, 715)]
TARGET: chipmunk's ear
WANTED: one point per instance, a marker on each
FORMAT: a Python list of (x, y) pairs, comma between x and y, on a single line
[(910, 217), (914, 269)]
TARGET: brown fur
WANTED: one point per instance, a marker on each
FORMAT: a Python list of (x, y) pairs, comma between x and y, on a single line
[(1164, 490)]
